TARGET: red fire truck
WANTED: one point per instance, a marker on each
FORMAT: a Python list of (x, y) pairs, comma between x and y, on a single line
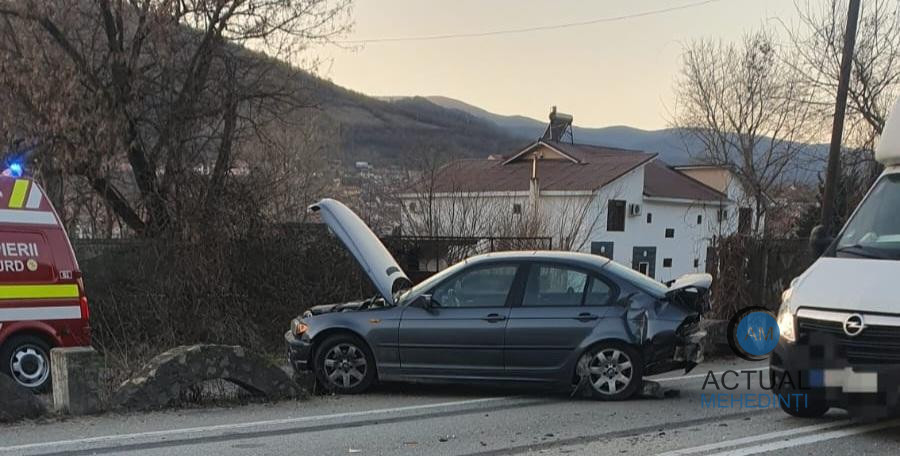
[(42, 300)]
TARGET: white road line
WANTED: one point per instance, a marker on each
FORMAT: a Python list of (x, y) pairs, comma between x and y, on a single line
[(688, 377), (805, 440), (239, 426), (754, 439)]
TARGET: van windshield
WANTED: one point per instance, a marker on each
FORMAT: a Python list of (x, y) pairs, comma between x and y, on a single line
[(874, 231)]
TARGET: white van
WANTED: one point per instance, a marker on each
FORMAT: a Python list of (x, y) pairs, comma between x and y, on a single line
[(840, 319)]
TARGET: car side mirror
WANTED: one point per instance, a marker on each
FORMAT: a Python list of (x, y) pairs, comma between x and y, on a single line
[(423, 301), (819, 240)]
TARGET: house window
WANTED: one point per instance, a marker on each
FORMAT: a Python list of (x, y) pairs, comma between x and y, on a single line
[(699, 219), (517, 208), (745, 215), (696, 262), (602, 248), (723, 215), (670, 232), (649, 218), (412, 205), (667, 262), (615, 215)]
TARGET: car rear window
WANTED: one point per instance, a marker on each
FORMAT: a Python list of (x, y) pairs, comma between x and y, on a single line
[(644, 283)]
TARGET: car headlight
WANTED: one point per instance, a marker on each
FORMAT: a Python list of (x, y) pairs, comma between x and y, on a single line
[(298, 327), (786, 317)]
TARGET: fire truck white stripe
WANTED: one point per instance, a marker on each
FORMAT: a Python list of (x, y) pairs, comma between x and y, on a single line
[(40, 313), (27, 217), (34, 197)]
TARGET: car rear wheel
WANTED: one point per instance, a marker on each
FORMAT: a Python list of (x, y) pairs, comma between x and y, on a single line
[(614, 371), (344, 365), (27, 360)]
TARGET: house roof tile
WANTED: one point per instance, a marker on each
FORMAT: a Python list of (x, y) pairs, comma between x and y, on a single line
[(662, 181), (597, 166)]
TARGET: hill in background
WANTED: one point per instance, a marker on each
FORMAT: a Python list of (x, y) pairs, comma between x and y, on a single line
[(396, 131), (668, 143)]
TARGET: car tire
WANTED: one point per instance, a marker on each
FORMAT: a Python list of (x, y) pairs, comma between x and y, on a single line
[(344, 364), (816, 403), (615, 371), (816, 409), (26, 359)]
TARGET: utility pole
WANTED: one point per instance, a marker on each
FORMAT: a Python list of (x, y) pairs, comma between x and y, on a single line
[(837, 130)]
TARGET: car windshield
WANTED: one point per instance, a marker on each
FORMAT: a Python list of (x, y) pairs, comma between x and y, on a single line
[(637, 279), (874, 230), (429, 282)]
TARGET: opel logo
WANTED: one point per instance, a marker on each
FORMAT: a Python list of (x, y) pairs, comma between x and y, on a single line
[(854, 325)]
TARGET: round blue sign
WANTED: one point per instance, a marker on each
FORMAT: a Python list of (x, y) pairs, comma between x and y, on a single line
[(757, 333)]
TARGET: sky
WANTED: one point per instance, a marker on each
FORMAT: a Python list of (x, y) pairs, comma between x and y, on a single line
[(609, 73)]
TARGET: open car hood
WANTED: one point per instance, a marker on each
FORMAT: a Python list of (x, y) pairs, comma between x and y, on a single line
[(369, 252)]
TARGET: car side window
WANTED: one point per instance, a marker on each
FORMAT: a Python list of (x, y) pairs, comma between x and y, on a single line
[(551, 285), (485, 286), (599, 293)]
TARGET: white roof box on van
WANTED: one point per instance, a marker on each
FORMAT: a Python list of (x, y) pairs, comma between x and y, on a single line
[(888, 151)]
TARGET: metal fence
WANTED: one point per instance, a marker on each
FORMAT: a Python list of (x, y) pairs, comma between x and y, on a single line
[(422, 256), (749, 271)]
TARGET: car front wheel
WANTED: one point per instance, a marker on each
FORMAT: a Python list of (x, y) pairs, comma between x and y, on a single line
[(611, 371), (344, 365), (26, 359), (813, 404)]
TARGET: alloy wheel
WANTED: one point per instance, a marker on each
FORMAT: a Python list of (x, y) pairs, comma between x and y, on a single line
[(29, 366), (611, 371), (345, 365)]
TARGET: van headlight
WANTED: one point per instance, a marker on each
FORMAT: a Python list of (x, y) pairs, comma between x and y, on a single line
[(786, 318)]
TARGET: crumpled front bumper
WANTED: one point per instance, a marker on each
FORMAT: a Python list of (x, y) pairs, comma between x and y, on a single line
[(299, 352), (673, 351), (691, 353)]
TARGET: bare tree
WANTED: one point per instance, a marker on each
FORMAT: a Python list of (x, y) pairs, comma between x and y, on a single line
[(742, 103), (150, 101), (874, 80), (440, 207)]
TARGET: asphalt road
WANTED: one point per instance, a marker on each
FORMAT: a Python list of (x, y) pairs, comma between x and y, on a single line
[(438, 420)]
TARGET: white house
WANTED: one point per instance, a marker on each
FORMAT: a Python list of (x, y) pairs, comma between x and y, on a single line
[(726, 181), (622, 204)]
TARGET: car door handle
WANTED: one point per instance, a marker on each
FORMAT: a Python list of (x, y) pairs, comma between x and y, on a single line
[(586, 316), (494, 317)]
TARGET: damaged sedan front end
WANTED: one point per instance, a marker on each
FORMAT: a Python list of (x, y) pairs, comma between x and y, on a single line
[(531, 317)]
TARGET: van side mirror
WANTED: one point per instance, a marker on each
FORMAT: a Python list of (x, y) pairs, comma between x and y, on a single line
[(819, 240)]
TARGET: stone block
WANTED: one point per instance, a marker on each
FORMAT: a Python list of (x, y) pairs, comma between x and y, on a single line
[(76, 380), (160, 382), (17, 402)]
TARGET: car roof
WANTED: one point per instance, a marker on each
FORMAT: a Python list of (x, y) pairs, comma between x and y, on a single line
[(538, 255)]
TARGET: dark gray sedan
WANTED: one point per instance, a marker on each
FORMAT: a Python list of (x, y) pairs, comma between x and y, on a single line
[(559, 319)]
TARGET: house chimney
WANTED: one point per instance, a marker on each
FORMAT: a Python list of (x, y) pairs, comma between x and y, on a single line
[(559, 125), (534, 187)]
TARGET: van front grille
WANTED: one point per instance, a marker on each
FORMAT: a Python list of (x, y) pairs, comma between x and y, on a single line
[(875, 345)]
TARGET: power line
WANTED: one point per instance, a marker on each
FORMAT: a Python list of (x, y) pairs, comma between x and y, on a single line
[(538, 28)]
